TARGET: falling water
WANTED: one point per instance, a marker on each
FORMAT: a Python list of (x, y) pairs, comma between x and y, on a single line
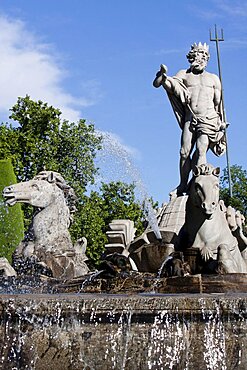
[(106, 332), (118, 159), (214, 338)]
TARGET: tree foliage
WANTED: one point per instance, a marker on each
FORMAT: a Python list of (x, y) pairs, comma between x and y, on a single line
[(40, 140), (239, 189), (43, 140), (11, 219), (115, 200), (120, 203)]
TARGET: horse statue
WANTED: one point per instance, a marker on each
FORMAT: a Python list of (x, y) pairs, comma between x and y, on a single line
[(207, 227), (47, 246)]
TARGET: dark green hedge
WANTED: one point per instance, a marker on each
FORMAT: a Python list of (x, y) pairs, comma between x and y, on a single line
[(11, 218)]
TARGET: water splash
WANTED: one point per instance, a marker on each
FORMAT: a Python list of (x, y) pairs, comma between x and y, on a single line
[(173, 331), (116, 159), (214, 338), (160, 271), (89, 279), (96, 332)]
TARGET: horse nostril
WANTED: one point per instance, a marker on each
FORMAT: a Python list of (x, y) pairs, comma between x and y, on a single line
[(204, 205)]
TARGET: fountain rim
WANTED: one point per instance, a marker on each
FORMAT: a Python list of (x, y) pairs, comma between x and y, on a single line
[(142, 304)]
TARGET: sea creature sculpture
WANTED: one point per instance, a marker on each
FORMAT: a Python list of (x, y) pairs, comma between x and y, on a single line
[(48, 240), (206, 226), (174, 265)]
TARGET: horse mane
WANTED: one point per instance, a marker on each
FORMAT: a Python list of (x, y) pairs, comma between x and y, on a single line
[(206, 169), (57, 179)]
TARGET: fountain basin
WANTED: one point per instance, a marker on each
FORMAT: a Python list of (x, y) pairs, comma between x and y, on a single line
[(108, 331)]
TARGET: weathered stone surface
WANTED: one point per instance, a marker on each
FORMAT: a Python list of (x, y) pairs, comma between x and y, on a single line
[(127, 284), (47, 247), (120, 236), (172, 216), (209, 234), (206, 227), (228, 283), (105, 332), (195, 96), (149, 257), (170, 220)]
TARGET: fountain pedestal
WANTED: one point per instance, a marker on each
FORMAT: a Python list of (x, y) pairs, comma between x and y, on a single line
[(84, 331)]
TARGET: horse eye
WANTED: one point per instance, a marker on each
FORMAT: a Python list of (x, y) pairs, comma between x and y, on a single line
[(35, 187), (216, 186)]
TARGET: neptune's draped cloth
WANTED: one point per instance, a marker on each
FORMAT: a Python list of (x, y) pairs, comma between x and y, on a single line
[(210, 126)]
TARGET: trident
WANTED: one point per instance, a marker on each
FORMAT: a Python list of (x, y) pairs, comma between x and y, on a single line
[(217, 39)]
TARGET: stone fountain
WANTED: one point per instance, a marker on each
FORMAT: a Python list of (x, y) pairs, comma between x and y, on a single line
[(174, 302)]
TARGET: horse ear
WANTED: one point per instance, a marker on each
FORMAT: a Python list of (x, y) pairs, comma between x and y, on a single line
[(216, 171), (196, 171), (51, 177)]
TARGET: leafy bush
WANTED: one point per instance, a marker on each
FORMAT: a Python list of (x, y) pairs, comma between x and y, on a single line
[(239, 189), (39, 139), (11, 218)]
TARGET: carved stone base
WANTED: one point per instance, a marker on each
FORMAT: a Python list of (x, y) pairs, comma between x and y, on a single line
[(149, 283), (83, 331)]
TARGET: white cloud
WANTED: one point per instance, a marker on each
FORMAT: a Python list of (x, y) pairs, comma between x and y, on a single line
[(29, 67)]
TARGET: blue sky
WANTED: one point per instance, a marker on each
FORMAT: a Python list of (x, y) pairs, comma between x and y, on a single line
[(96, 59)]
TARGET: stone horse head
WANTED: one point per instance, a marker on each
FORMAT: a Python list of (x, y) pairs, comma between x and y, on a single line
[(44, 190), (48, 242), (206, 227), (204, 191), (54, 201)]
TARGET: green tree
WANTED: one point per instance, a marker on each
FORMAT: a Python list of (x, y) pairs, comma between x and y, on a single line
[(91, 224), (42, 140), (11, 219), (239, 189), (120, 203), (115, 200)]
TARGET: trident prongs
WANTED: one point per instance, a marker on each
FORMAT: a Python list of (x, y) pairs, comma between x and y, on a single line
[(216, 36)]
